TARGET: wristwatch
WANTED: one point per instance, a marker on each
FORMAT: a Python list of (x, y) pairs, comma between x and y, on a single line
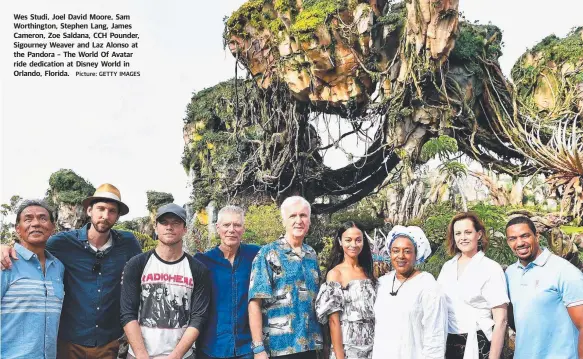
[(257, 347)]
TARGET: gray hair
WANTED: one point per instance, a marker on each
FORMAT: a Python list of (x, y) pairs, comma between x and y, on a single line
[(231, 209), (294, 199), (34, 203)]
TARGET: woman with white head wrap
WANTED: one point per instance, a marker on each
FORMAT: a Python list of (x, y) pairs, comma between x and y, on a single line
[(410, 311)]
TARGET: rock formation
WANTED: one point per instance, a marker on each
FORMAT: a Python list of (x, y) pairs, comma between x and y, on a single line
[(411, 71), (65, 194)]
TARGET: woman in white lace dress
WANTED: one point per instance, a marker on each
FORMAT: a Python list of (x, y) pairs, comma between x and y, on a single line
[(346, 300)]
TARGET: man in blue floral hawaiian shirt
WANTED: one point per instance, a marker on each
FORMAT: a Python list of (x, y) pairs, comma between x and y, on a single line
[(284, 283)]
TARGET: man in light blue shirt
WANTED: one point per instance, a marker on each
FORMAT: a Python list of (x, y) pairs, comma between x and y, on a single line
[(546, 293), (32, 292)]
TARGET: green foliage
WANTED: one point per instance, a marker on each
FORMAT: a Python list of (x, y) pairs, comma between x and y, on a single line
[(199, 239), (131, 225), (214, 153), (284, 5), (394, 20), (474, 42), (262, 224), (324, 254), (146, 242), (362, 215), (568, 49), (467, 45), (436, 261), (495, 219), (442, 147), (67, 187), (435, 221), (249, 12), (314, 14), (527, 72), (569, 230), (435, 224), (7, 232), (158, 199), (453, 169)]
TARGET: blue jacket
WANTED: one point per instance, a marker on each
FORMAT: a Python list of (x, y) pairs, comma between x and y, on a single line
[(91, 308), (227, 332)]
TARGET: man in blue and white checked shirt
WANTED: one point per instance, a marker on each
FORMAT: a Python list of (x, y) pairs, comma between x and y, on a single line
[(32, 292)]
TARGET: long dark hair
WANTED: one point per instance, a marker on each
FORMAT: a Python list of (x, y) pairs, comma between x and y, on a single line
[(365, 256)]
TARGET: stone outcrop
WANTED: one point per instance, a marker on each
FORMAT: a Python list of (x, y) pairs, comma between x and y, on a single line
[(65, 194), (331, 52), (549, 77)]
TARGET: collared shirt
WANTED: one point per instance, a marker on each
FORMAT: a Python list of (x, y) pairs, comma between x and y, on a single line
[(471, 297), (540, 294), (31, 306), (481, 287), (92, 303), (227, 332), (287, 283)]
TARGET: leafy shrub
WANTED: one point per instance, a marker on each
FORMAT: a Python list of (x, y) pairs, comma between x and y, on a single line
[(146, 242), (158, 199), (263, 224)]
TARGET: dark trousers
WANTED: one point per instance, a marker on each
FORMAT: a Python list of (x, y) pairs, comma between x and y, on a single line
[(303, 355), (456, 345)]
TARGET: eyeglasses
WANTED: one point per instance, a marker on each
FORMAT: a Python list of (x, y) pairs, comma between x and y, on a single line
[(97, 265)]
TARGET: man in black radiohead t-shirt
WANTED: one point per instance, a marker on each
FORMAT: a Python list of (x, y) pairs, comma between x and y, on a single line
[(165, 294)]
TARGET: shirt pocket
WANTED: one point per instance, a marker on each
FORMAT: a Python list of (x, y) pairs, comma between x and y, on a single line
[(58, 288)]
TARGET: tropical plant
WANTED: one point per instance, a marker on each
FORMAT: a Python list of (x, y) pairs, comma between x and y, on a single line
[(7, 233), (158, 199)]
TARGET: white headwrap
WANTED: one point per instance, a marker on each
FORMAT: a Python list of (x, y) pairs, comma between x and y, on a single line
[(416, 235)]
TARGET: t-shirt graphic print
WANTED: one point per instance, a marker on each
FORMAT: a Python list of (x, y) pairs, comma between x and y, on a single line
[(166, 289)]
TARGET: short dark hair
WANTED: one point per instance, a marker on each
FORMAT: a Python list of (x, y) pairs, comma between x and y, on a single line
[(34, 203), (522, 220)]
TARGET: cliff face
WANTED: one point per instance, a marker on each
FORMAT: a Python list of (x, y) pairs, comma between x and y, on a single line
[(332, 52)]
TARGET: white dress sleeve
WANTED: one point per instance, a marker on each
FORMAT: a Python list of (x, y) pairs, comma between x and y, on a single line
[(434, 323)]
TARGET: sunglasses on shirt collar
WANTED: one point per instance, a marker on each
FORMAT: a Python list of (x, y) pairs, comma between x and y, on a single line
[(97, 266)]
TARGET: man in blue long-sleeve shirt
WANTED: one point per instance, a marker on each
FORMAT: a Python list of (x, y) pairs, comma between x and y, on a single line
[(227, 333)]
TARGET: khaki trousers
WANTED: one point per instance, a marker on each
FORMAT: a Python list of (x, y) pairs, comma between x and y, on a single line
[(66, 350)]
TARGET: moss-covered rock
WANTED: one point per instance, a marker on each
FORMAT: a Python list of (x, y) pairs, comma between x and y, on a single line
[(158, 199), (549, 77), (314, 48), (65, 186), (476, 43), (65, 193)]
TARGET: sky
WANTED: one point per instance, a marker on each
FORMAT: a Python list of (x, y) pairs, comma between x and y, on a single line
[(128, 131)]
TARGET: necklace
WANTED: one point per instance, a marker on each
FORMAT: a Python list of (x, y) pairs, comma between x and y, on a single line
[(393, 292)]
